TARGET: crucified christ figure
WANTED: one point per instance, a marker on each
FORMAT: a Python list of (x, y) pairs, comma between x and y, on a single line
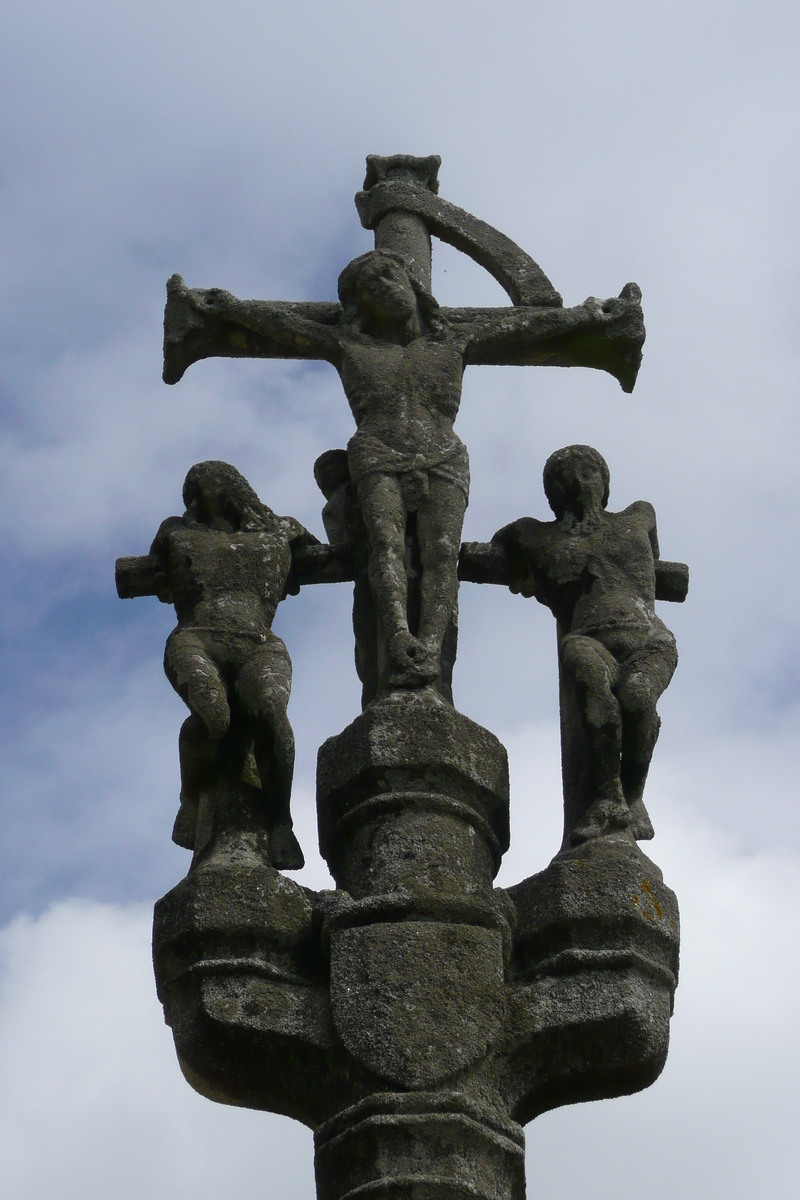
[(401, 359)]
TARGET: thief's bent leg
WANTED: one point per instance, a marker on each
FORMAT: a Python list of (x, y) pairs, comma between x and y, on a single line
[(196, 678), (644, 676), (196, 754), (263, 687), (594, 674)]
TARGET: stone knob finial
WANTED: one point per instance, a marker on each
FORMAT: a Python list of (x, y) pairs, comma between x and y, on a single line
[(422, 170), (398, 227)]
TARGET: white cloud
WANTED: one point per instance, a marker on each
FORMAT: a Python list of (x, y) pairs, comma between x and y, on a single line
[(655, 142), (92, 1102), (721, 1119)]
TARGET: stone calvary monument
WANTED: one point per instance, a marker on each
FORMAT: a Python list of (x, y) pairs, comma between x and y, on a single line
[(417, 1016)]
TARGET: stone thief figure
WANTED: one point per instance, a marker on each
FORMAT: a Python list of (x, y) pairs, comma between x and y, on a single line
[(225, 564), (595, 571)]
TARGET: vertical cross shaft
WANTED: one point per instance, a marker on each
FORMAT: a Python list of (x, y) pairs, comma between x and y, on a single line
[(405, 233)]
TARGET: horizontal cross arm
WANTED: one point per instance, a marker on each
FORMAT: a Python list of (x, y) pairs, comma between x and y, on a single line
[(478, 562), (604, 334), (489, 562), (484, 562), (322, 563), (210, 323), (141, 575), (672, 581)]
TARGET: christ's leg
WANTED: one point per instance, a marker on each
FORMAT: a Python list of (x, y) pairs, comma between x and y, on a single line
[(384, 513), (440, 518)]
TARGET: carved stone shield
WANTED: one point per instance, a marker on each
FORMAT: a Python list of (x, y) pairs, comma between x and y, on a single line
[(417, 1001)]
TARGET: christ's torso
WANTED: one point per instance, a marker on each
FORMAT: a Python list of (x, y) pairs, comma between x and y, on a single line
[(406, 396)]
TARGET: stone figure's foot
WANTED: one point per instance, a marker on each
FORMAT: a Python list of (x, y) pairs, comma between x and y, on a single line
[(602, 817), (405, 649), (285, 853), (641, 825), (413, 664), (184, 830), (414, 675)]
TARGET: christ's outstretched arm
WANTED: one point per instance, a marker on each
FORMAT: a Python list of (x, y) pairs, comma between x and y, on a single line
[(211, 323), (604, 334)]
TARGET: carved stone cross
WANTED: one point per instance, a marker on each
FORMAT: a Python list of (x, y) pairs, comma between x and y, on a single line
[(401, 357), (417, 1017)]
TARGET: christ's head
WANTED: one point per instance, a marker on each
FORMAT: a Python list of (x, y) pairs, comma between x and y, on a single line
[(380, 292)]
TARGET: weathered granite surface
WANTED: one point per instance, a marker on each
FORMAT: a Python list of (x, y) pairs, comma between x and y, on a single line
[(401, 358), (346, 529), (225, 565), (417, 1015), (595, 570)]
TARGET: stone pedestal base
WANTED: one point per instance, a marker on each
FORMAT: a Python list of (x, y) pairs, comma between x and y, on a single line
[(417, 1016), (419, 1146), (601, 906), (413, 795)]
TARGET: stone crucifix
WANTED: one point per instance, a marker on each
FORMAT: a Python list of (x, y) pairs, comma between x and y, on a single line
[(417, 1016), (401, 358)]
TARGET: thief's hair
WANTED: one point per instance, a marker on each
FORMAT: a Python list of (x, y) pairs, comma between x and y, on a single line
[(243, 508), (559, 473)]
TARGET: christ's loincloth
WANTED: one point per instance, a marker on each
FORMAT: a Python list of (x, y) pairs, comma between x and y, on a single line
[(368, 455)]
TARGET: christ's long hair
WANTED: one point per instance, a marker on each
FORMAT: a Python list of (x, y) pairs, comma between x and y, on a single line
[(348, 289)]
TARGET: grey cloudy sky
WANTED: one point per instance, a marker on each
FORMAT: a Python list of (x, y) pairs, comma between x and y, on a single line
[(654, 142)]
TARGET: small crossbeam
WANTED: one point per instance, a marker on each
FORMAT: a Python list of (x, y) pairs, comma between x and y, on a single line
[(141, 575), (478, 562), (488, 562)]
